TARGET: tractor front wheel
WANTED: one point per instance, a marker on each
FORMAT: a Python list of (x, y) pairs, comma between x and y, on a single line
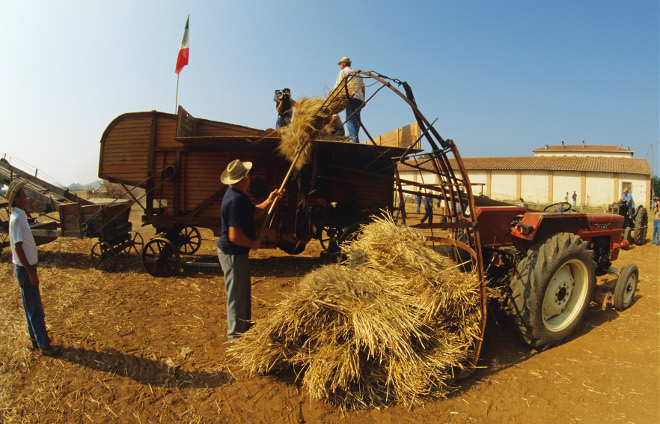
[(552, 289), (626, 284)]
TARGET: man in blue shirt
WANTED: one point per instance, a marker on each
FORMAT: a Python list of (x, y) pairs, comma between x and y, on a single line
[(627, 197), (237, 238)]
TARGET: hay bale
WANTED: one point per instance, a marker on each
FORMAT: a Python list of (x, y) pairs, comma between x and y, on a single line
[(310, 122), (386, 326)]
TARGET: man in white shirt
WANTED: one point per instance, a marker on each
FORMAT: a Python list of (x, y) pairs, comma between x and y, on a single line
[(356, 102), (24, 257)]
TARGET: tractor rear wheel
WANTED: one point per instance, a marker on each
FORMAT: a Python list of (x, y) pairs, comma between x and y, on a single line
[(641, 222), (552, 289)]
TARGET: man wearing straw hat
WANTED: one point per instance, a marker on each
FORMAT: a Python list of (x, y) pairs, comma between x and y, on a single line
[(356, 102), (237, 238), (24, 257)]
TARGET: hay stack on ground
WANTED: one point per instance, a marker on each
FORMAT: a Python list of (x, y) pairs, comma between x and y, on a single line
[(312, 116), (386, 326)]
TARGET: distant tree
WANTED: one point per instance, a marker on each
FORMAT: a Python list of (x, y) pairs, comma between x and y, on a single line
[(655, 185)]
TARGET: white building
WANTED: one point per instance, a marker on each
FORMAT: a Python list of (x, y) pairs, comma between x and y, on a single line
[(597, 175)]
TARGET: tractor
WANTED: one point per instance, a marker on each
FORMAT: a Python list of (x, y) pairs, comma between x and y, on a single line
[(545, 264)]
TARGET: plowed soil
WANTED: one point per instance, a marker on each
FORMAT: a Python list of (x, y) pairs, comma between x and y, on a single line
[(143, 349)]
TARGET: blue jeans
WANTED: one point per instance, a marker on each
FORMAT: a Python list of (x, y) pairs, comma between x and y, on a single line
[(352, 122), (34, 310), (236, 269), (280, 122), (656, 231), (428, 213)]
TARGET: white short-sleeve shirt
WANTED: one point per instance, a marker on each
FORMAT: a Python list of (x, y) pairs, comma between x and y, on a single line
[(19, 231), (360, 84)]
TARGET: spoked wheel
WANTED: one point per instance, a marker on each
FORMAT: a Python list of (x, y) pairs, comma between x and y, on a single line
[(330, 239), (189, 240), (626, 284), (136, 243), (103, 257), (160, 258)]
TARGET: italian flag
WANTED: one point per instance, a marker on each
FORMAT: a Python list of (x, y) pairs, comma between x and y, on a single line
[(182, 57)]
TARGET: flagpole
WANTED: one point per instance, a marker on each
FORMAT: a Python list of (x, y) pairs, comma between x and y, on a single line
[(176, 99)]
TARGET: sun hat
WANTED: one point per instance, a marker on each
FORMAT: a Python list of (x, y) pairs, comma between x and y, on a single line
[(625, 190), (344, 60), (14, 187), (235, 172)]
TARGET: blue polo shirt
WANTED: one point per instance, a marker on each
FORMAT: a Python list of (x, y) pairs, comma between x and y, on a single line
[(237, 211)]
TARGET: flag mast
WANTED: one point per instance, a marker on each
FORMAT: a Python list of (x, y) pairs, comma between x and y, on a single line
[(181, 61)]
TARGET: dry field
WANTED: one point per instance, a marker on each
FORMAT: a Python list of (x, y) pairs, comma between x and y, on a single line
[(142, 349)]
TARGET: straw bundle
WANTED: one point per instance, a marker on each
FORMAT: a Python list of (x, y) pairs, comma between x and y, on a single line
[(388, 325), (310, 121)]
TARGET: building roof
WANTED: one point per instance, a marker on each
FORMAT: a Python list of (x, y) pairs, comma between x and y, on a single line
[(582, 148), (621, 165)]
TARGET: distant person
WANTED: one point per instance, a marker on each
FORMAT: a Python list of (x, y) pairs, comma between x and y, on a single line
[(356, 102), (284, 107), (418, 200), (656, 222), (238, 236), (566, 198), (574, 197), (428, 210), (25, 259)]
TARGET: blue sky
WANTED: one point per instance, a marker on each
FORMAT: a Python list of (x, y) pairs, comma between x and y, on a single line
[(501, 77)]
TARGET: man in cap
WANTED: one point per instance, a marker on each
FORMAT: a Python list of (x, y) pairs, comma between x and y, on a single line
[(24, 257), (237, 238), (627, 197), (356, 102)]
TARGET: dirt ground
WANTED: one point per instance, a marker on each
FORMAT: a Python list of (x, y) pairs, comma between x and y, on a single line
[(141, 349)]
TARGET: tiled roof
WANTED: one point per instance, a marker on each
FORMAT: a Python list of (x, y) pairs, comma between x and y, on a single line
[(620, 165), (582, 148)]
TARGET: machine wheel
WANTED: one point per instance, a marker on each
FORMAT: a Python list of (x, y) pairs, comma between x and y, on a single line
[(160, 257), (137, 243), (351, 233), (330, 239), (626, 284), (552, 290), (641, 223), (103, 257), (189, 240)]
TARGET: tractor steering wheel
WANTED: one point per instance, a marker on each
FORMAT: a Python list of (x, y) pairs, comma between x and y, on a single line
[(563, 207)]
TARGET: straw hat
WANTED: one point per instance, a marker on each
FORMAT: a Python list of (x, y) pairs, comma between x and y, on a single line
[(235, 172), (625, 190), (14, 187), (344, 60)]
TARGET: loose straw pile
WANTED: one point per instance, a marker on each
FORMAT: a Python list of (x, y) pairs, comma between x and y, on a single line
[(388, 325), (310, 121)]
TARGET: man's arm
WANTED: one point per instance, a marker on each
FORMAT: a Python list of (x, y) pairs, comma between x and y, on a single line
[(262, 207), (22, 258), (238, 237)]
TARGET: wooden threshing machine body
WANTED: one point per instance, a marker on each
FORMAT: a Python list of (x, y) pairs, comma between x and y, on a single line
[(178, 160)]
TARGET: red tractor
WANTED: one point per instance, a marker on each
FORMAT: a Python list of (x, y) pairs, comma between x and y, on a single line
[(546, 263)]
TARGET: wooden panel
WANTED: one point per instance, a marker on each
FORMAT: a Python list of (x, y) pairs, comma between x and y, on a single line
[(166, 131), (185, 124), (124, 148), (401, 137)]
